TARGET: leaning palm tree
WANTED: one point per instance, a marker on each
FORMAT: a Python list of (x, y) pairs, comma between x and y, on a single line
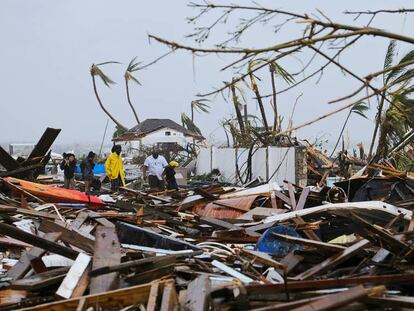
[(132, 67), (96, 71), (189, 124)]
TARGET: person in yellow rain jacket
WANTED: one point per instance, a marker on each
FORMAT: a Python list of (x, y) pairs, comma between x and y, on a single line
[(114, 168)]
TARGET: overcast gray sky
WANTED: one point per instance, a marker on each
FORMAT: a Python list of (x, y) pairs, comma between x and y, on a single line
[(47, 47)]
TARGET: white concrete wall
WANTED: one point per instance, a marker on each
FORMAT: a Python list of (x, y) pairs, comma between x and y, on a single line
[(280, 162)]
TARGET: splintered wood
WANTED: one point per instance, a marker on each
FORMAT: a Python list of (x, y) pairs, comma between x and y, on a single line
[(284, 250)]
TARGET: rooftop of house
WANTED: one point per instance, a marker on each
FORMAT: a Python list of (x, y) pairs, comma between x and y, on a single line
[(151, 125)]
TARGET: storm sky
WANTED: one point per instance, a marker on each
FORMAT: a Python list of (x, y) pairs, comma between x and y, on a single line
[(47, 47)]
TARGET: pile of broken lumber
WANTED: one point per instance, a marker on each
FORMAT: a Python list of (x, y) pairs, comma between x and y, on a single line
[(210, 248)]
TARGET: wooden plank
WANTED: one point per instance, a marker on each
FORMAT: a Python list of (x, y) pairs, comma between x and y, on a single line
[(23, 265), (100, 219), (333, 260), (133, 295), (334, 301), (263, 258), (309, 233), (291, 261), (41, 280), (82, 284), (398, 279), (68, 235), (292, 198), (107, 252), (302, 199), (224, 224), (74, 275), (7, 209), (21, 191), (306, 242), (145, 262), (386, 240), (152, 304), (37, 241), (79, 220), (198, 292), (282, 196), (169, 297)]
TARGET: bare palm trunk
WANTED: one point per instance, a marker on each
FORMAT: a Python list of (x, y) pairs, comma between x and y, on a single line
[(192, 120), (275, 119), (129, 101), (377, 123), (238, 112), (340, 134), (103, 108)]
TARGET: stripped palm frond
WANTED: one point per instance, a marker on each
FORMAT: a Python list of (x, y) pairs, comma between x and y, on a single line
[(188, 124), (132, 67), (96, 71), (200, 105)]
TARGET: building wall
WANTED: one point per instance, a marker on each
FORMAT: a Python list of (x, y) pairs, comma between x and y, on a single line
[(133, 147), (274, 163)]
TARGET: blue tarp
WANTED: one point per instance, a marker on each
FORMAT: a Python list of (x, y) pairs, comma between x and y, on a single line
[(98, 169)]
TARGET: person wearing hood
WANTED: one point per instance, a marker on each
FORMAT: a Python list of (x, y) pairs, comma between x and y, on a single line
[(68, 166), (154, 166), (114, 168), (87, 166)]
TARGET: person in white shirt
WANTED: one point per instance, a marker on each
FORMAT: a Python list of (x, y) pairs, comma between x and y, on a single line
[(153, 169)]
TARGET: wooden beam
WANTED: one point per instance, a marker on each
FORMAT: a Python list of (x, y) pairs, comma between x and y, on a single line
[(23, 265), (309, 233), (41, 280), (133, 295), (302, 199), (37, 241), (107, 252), (292, 198), (334, 260), (335, 301), (152, 304), (73, 277), (306, 242), (68, 235), (198, 292), (169, 297), (263, 258)]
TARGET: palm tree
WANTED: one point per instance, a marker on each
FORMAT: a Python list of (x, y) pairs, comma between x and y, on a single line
[(132, 67), (199, 106), (398, 118), (359, 109), (96, 71)]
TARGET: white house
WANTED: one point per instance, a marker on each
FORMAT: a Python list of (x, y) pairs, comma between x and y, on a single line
[(155, 132)]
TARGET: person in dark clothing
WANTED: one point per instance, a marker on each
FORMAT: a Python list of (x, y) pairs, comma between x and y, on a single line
[(169, 173), (87, 167), (68, 166)]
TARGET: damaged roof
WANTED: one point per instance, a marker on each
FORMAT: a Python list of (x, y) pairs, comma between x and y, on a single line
[(151, 125)]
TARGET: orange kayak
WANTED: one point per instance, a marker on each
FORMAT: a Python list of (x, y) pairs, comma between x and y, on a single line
[(53, 194)]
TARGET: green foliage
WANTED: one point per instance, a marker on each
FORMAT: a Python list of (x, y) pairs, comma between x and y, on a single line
[(200, 105), (132, 67), (96, 71), (188, 124), (360, 109)]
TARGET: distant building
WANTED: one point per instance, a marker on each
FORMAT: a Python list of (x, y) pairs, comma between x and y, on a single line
[(157, 132)]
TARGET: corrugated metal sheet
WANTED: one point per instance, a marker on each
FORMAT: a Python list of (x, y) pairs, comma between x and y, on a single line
[(226, 208)]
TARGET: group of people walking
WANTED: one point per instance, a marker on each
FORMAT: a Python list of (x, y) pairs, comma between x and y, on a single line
[(155, 170)]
